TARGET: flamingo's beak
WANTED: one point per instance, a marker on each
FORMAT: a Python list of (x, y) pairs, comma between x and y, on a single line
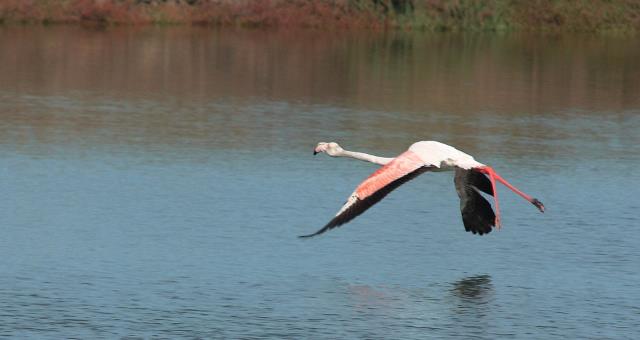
[(315, 152)]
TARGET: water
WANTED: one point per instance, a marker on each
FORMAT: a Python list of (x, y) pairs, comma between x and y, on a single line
[(154, 181)]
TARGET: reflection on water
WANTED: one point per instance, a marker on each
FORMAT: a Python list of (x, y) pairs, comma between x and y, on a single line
[(203, 89), (472, 305), (154, 180), (398, 71), (199, 88), (473, 289)]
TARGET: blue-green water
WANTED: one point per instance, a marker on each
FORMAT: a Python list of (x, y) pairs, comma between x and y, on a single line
[(154, 182)]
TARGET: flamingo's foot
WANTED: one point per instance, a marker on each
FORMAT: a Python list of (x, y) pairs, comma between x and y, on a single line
[(538, 204)]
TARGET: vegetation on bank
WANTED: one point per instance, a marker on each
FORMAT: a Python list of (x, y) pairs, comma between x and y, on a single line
[(433, 15)]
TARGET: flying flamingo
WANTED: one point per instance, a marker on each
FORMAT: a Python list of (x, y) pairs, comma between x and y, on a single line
[(471, 177)]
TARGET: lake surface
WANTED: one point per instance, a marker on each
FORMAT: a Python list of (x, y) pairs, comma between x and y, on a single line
[(154, 181)]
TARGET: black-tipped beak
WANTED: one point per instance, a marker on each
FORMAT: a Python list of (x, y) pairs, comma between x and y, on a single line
[(315, 152)]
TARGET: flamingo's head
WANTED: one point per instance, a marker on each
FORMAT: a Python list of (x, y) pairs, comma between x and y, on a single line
[(332, 149)]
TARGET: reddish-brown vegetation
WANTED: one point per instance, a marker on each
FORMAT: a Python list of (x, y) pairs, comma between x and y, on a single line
[(243, 13), (457, 15)]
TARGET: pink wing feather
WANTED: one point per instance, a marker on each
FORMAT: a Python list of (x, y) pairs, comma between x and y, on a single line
[(378, 185), (399, 167)]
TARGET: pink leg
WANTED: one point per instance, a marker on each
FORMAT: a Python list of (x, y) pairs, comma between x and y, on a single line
[(492, 177), (533, 201), (492, 174)]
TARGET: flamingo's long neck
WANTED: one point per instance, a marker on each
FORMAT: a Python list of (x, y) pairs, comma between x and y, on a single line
[(365, 157)]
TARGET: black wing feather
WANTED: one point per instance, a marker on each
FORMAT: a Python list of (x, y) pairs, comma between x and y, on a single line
[(478, 180), (361, 206), (477, 213)]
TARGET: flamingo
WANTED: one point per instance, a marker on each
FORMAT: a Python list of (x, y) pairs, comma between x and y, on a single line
[(471, 178)]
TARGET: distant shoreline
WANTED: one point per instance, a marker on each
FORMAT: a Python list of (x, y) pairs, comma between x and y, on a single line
[(426, 15)]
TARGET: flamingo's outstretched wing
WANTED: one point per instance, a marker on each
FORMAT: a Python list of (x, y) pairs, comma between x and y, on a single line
[(477, 214), (395, 173)]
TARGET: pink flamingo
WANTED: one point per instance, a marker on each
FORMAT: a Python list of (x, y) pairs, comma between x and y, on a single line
[(471, 177)]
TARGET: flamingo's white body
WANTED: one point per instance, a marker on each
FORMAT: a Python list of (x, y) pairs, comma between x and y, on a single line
[(443, 156), (477, 214)]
